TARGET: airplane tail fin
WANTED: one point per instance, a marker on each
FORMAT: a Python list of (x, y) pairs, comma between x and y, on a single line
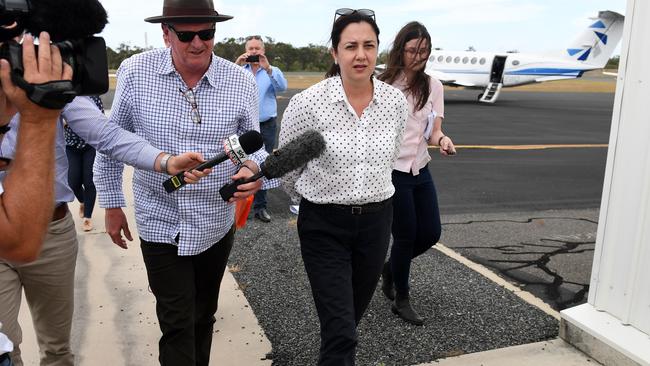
[(595, 45)]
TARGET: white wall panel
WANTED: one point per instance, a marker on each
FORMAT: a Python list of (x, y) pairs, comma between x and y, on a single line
[(620, 283)]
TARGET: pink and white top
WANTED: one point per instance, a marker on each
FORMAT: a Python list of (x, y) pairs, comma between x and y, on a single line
[(414, 154)]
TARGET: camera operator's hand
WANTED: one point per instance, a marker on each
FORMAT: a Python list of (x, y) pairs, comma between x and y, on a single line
[(7, 110), (47, 66)]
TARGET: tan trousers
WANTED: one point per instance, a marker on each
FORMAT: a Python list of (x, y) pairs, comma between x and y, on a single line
[(49, 290)]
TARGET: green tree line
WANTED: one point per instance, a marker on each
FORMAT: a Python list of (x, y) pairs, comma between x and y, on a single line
[(283, 55), (280, 54), (613, 62)]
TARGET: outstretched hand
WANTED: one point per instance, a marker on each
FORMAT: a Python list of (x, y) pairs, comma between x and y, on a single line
[(186, 162)]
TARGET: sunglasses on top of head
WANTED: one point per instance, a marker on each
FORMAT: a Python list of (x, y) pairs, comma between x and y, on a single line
[(188, 36), (347, 11)]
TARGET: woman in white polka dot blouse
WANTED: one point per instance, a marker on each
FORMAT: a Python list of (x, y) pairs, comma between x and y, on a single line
[(416, 218), (346, 208)]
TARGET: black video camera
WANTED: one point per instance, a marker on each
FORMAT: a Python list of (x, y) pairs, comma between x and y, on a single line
[(253, 58), (71, 24)]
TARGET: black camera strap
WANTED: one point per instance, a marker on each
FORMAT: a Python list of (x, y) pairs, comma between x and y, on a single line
[(52, 95)]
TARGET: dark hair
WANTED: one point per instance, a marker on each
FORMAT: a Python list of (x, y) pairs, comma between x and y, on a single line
[(339, 25), (419, 85)]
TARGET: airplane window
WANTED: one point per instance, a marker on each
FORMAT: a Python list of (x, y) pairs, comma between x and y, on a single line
[(448, 59), (457, 60), (473, 60), (482, 61), (440, 58), (465, 60), (515, 62), (432, 58)]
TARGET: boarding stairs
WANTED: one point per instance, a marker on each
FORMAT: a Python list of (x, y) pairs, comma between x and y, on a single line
[(491, 93)]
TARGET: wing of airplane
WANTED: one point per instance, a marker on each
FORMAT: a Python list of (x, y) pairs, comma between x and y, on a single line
[(444, 78), (553, 78), (447, 79)]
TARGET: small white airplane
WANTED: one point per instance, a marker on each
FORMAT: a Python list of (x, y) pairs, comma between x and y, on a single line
[(491, 71)]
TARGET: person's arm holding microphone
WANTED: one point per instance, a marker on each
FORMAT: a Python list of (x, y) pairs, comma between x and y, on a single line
[(27, 201)]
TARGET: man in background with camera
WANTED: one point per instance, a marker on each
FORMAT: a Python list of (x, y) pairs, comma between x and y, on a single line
[(270, 81), (182, 97)]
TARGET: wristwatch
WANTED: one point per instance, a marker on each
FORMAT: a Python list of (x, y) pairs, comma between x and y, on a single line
[(4, 129)]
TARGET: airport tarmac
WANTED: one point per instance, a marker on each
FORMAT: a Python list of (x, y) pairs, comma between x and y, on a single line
[(529, 169)]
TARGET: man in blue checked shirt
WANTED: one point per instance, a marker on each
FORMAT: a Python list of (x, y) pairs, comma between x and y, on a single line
[(48, 281), (270, 81), (181, 97)]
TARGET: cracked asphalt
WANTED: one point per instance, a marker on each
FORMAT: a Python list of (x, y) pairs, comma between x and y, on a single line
[(548, 253)]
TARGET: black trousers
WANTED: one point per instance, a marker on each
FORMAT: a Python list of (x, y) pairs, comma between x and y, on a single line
[(187, 294), (343, 255)]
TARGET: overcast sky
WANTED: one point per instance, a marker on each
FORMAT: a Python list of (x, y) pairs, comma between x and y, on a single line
[(487, 25)]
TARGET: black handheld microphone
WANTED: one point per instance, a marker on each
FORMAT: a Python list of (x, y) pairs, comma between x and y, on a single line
[(234, 148), (295, 154)]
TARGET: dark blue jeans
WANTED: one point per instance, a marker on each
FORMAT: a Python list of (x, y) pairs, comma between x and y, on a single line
[(416, 223), (267, 129), (80, 176)]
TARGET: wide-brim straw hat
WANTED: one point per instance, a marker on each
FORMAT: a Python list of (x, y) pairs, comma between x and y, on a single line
[(188, 11)]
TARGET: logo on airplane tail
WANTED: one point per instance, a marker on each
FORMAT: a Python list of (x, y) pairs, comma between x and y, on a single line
[(585, 52)]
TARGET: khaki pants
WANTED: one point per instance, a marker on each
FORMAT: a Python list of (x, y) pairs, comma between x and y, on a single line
[(49, 290)]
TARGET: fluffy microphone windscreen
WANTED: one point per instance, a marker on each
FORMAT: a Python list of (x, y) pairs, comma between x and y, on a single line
[(309, 145), (66, 19), (251, 141)]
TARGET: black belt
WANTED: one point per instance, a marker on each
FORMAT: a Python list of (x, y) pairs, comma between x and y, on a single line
[(4, 357), (360, 209)]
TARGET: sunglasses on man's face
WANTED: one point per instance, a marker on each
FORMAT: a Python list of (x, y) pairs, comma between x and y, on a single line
[(347, 11), (188, 36)]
